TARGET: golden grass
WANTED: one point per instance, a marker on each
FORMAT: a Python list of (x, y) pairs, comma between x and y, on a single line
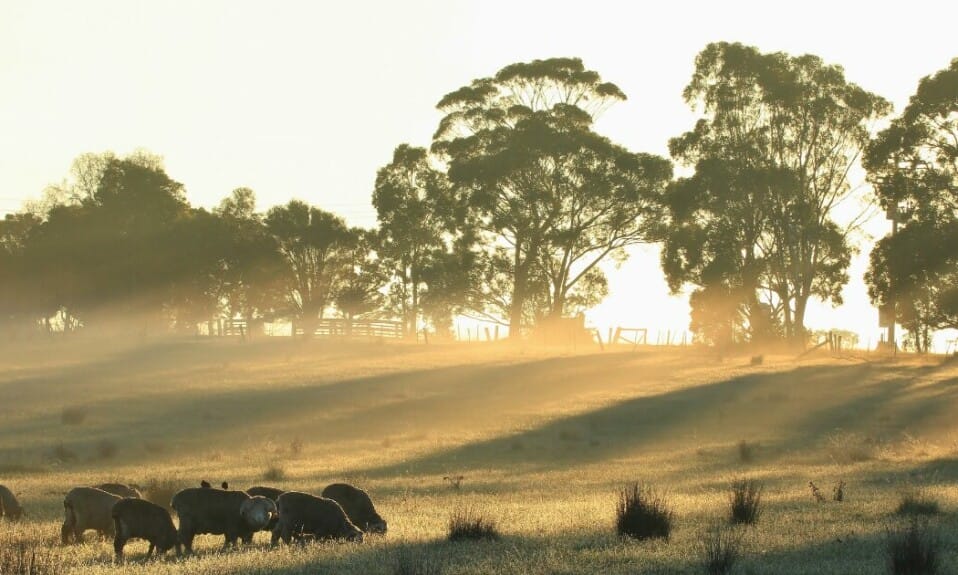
[(543, 440)]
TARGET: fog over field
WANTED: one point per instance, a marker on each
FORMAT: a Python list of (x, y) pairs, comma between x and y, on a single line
[(539, 440)]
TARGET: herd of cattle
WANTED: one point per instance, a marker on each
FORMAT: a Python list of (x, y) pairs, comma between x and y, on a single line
[(341, 512)]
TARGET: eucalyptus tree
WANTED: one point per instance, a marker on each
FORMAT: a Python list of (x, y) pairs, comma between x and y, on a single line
[(772, 155), (913, 166), (317, 248), (417, 215), (253, 272), (555, 196)]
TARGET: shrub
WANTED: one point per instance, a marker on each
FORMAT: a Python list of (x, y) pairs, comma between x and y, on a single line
[(63, 454), (913, 550), (914, 501), (721, 549), (470, 524), (296, 446), (160, 491), (745, 501), (409, 562), (23, 558), (746, 451), (274, 472), (642, 513), (106, 449), (74, 415)]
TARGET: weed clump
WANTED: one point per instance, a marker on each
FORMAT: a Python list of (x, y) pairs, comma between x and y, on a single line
[(915, 501), (274, 471), (160, 491), (746, 451), (63, 454), (745, 502), (641, 513), (73, 415), (721, 548), (470, 524), (408, 562), (106, 449), (914, 549)]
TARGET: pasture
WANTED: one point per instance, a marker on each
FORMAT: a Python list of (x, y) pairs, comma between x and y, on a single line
[(543, 441)]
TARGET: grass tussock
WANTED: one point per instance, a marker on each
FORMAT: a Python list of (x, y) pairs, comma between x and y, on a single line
[(73, 415), (642, 513), (63, 454), (915, 501), (845, 447), (23, 558), (914, 549), (409, 562), (469, 524), (275, 471), (106, 449), (296, 446), (161, 491), (745, 502), (721, 549), (746, 451)]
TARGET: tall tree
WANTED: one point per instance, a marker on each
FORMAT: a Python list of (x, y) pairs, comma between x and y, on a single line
[(254, 272), (317, 247), (772, 155), (913, 166), (544, 187), (416, 215)]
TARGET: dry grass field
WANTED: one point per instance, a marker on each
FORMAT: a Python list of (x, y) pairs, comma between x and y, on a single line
[(543, 439)]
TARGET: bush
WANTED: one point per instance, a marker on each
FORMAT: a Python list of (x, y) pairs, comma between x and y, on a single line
[(746, 451), (641, 513), (913, 550), (915, 501), (274, 472), (470, 524), (160, 491), (106, 449), (74, 415), (721, 548), (408, 562), (23, 558), (63, 454), (745, 501), (296, 446)]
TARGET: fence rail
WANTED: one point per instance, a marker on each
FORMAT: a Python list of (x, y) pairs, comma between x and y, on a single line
[(355, 328)]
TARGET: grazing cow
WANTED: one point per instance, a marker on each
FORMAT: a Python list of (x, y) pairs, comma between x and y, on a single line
[(87, 508), (140, 519), (9, 506), (357, 505), (233, 514), (305, 514)]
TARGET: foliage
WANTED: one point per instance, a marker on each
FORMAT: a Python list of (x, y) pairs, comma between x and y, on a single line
[(745, 501), (318, 248), (552, 196), (419, 222), (641, 513), (913, 166), (771, 157), (721, 548), (914, 549), (468, 524)]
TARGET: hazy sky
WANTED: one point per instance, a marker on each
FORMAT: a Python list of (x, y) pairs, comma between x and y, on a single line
[(308, 99)]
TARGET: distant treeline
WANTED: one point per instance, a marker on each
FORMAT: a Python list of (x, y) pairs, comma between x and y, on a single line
[(510, 212)]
